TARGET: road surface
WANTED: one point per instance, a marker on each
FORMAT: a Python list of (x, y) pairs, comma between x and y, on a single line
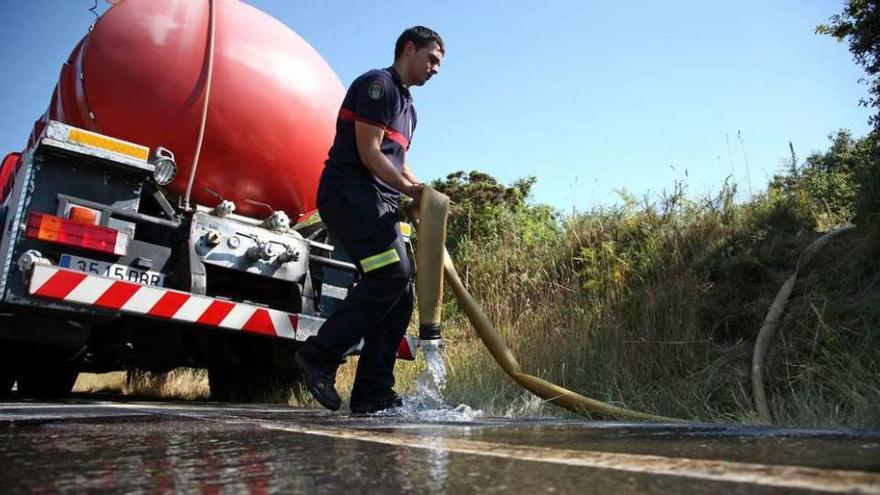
[(116, 445)]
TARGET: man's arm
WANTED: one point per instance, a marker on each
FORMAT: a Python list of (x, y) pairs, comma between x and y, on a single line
[(409, 175), (369, 138)]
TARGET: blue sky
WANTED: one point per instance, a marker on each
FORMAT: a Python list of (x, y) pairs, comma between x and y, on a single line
[(588, 96)]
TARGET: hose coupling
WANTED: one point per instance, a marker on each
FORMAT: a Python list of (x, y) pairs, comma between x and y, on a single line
[(429, 331)]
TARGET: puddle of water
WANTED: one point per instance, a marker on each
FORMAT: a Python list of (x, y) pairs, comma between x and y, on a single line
[(428, 404)]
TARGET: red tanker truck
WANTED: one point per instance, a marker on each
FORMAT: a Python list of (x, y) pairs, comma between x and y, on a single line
[(161, 214)]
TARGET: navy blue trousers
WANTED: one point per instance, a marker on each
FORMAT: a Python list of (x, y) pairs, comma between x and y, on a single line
[(378, 309)]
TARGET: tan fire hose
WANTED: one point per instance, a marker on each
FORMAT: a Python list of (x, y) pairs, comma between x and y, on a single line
[(432, 245), (430, 256), (771, 322)]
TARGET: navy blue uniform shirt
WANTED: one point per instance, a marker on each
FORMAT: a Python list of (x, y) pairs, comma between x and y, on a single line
[(378, 98)]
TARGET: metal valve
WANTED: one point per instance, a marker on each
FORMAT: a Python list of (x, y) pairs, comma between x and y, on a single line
[(212, 238), (262, 250), (224, 208), (289, 254), (277, 221)]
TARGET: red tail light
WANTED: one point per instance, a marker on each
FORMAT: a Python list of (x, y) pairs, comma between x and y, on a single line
[(59, 230)]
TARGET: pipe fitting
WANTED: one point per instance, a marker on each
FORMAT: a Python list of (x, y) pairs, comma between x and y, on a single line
[(30, 258), (212, 238), (289, 254), (429, 331), (261, 251)]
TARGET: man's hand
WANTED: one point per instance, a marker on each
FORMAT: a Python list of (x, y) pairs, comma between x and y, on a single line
[(415, 192)]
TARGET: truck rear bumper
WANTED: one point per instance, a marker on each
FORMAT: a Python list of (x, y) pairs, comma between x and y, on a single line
[(110, 294)]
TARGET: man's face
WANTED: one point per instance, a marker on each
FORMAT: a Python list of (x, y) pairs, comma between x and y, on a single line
[(424, 62)]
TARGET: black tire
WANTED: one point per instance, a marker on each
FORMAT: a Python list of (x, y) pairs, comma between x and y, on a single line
[(7, 379), (228, 384), (49, 382), (10, 355), (243, 384), (281, 383)]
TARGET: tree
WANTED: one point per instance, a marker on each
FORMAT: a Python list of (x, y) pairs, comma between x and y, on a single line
[(859, 24), (483, 209)]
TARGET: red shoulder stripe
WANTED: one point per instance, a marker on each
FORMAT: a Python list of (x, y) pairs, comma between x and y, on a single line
[(390, 134)]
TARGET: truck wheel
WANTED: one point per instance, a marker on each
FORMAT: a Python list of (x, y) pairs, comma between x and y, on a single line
[(229, 384), (242, 384), (282, 384), (9, 361), (50, 382), (6, 382)]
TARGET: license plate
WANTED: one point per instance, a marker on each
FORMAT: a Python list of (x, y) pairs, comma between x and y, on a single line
[(122, 272)]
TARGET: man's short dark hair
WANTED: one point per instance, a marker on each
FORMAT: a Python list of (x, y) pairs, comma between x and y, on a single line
[(420, 36)]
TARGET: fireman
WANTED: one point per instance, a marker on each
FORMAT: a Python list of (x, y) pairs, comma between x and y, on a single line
[(358, 199)]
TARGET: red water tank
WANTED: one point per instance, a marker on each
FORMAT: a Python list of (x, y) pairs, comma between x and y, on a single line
[(140, 75)]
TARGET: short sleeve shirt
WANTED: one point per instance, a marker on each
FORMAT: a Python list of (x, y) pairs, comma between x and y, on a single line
[(377, 98)]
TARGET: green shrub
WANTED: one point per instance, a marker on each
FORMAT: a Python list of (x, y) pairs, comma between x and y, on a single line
[(866, 178), (821, 191)]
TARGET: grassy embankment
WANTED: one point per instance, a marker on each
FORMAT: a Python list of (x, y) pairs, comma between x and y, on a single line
[(657, 308), (656, 305)]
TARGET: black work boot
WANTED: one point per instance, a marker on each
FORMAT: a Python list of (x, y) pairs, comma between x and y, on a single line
[(320, 381), (369, 405)]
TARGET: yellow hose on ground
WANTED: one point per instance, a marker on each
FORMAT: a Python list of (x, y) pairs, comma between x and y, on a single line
[(432, 227)]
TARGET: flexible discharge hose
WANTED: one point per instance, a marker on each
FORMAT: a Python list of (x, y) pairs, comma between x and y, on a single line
[(432, 254), (771, 322), (204, 119), (429, 282)]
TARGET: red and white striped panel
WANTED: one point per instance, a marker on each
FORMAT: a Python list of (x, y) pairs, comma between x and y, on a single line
[(109, 293)]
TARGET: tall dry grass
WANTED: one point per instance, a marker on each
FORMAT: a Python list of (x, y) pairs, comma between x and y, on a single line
[(181, 383)]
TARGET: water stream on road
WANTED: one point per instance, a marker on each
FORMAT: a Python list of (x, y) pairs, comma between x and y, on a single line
[(428, 403)]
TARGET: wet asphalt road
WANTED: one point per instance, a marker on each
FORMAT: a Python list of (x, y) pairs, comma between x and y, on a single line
[(87, 445)]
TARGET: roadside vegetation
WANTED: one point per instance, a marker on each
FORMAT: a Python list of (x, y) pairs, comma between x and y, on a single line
[(655, 303)]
